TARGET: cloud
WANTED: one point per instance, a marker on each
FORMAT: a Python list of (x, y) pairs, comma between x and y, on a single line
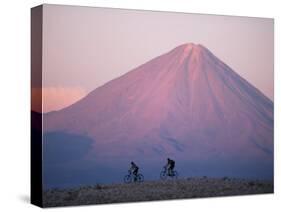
[(55, 98)]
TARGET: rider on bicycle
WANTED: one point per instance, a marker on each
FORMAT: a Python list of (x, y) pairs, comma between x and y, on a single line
[(134, 169), (170, 166)]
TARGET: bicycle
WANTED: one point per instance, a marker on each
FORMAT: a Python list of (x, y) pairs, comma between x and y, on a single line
[(164, 174), (129, 178)]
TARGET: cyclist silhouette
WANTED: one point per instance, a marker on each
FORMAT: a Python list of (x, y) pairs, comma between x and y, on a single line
[(170, 166), (134, 169)]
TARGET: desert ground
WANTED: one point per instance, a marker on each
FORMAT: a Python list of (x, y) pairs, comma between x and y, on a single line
[(155, 190)]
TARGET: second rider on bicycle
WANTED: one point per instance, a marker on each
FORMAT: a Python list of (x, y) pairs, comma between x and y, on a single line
[(170, 166)]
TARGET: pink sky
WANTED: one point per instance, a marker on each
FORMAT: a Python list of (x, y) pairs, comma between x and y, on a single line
[(85, 47), (56, 98)]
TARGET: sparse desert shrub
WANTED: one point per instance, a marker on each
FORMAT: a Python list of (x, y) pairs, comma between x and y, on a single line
[(259, 184), (225, 178), (194, 196), (98, 186), (71, 195), (251, 183)]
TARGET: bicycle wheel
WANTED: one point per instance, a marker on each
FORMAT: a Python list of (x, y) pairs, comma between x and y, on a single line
[(175, 175), (163, 175), (127, 178), (140, 178)]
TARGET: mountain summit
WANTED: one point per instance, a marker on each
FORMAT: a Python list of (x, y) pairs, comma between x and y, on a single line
[(185, 104)]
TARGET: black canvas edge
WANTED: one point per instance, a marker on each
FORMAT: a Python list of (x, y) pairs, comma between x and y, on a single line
[(36, 189)]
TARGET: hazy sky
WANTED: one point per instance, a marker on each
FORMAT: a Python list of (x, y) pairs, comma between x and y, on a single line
[(85, 47)]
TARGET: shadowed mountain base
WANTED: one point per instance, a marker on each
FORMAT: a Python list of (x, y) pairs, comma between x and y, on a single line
[(155, 190)]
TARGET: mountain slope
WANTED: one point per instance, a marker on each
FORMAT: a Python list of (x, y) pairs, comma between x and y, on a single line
[(185, 104)]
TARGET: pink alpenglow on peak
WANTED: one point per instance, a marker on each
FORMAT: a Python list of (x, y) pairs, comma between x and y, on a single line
[(190, 50), (185, 104), (195, 48)]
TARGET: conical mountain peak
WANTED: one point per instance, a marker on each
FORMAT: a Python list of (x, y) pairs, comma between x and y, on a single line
[(191, 47), (185, 103), (191, 50)]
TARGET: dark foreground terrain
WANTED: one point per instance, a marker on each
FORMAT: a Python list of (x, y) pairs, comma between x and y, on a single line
[(155, 190)]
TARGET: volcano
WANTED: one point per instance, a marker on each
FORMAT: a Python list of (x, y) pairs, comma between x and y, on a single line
[(186, 104)]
